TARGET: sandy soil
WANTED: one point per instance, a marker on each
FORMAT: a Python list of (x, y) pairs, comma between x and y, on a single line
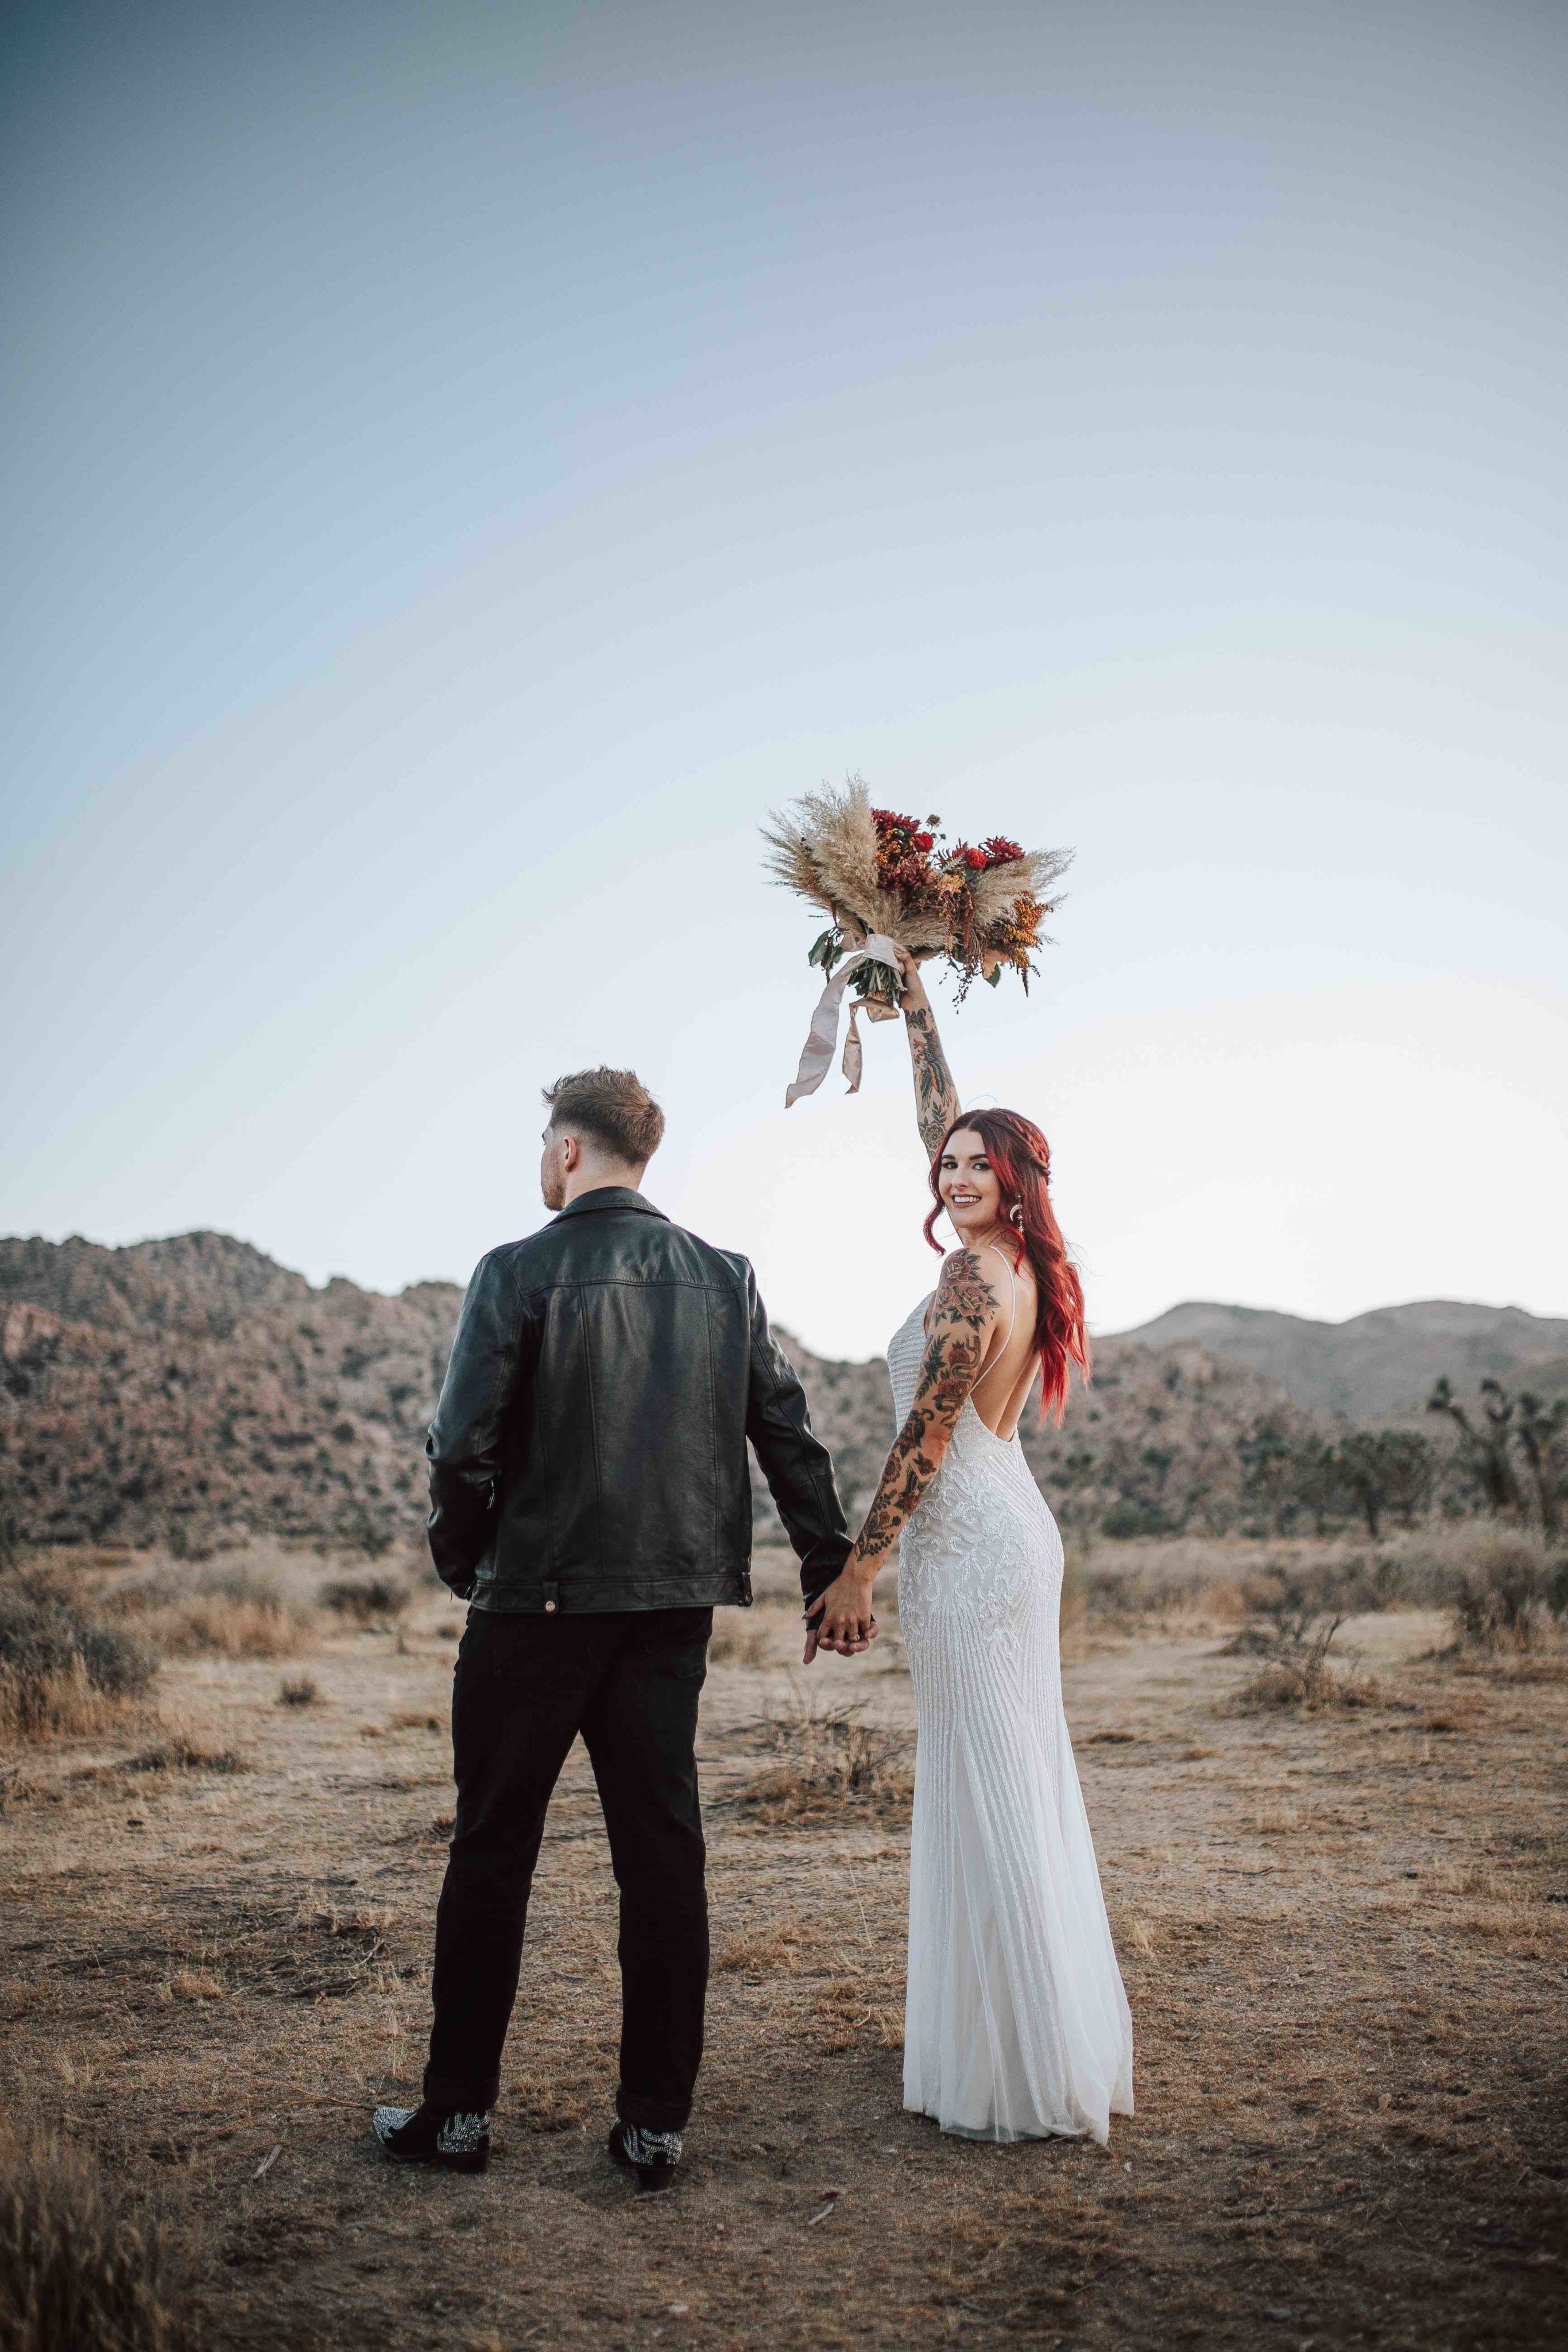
[(1343, 1936)]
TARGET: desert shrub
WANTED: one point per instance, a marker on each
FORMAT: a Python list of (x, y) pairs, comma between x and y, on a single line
[(230, 1613), (1121, 1586), (832, 1762), (61, 1668), (1294, 1612), (1509, 1591), (85, 2266), (1305, 1679), (1290, 1605), (299, 1690), (355, 1529), (366, 1599), (186, 1542)]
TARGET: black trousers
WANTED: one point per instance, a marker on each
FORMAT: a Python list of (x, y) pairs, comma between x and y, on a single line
[(525, 1686)]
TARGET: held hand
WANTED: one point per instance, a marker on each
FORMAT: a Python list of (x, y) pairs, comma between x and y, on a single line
[(911, 996), (843, 1619)]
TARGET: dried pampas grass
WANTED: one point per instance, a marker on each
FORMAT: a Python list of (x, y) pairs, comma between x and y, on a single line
[(824, 848), (998, 892)]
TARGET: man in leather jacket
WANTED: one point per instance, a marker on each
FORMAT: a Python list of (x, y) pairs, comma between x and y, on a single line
[(590, 1499)]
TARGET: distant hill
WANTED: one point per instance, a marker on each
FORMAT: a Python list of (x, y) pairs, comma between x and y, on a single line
[(192, 1387), (1374, 1365), (190, 1390)]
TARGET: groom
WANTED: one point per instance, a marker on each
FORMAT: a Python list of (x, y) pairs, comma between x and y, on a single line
[(590, 1498)]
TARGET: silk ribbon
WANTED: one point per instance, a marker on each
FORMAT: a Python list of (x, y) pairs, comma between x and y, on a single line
[(824, 1035)]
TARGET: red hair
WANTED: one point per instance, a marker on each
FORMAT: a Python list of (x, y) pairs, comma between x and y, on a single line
[(1021, 1159)]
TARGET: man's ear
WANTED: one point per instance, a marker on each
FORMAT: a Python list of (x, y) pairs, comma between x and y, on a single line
[(570, 1152)]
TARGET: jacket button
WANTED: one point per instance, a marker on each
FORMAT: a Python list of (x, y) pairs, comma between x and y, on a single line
[(549, 1608)]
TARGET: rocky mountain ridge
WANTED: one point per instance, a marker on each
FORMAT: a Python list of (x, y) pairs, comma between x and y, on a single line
[(1376, 1364), (190, 1390)]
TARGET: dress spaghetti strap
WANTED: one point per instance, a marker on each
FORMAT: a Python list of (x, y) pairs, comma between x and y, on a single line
[(1012, 1314)]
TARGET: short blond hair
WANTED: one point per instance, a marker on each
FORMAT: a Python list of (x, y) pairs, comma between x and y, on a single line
[(614, 1108)]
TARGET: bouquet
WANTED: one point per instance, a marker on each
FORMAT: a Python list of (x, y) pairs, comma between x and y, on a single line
[(891, 881)]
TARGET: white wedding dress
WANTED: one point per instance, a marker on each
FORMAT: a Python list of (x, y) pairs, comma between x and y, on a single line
[(1016, 2024)]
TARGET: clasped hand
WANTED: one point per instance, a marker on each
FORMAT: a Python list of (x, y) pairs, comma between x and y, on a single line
[(842, 1618)]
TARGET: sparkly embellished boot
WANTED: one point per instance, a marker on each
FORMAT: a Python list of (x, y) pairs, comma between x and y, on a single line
[(427, 2135), (652, 2155)]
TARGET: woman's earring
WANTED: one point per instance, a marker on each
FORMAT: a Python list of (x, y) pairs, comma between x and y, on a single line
[(1015, 1215)]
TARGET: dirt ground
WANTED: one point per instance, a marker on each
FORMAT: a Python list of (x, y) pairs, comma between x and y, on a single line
[(1343, 1935)]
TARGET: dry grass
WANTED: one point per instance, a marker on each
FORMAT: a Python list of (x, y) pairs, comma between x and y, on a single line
[(184, 1754), (85, 2264), (63, 1672), (1338, 1933), (61, 1705), (195, 1984), (782, 1949), (226, 1613), (1511, 1593), (1186, 1585), (299, 1690), (738, 1641), (851, 2011), (1137, 1935)]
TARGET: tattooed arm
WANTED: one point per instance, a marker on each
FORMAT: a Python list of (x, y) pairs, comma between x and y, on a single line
[(936, 1103), (962, 1316)]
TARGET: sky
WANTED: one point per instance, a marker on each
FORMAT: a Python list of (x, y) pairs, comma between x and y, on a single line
[(465, 464)]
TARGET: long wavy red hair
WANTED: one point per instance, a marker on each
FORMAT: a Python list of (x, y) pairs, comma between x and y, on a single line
[(1021, 1159)]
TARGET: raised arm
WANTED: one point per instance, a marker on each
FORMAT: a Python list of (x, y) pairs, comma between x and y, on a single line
[(936, 1103), (962, 1315)]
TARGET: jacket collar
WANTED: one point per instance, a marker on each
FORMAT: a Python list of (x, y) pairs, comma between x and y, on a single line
[(609, 1196)]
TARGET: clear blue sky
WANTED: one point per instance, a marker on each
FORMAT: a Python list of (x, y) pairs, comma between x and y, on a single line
[(465, 463)]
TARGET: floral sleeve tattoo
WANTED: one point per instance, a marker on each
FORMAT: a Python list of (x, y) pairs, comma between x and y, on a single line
[(960, 1314), (936, 1104)]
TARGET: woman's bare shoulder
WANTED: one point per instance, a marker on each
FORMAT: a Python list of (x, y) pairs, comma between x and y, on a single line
[(967, 1291)]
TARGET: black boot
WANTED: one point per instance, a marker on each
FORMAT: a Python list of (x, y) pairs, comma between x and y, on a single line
[(652, 2155), (428, 2135)]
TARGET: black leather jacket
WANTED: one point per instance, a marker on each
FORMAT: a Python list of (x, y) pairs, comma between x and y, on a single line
[(589, 1450)]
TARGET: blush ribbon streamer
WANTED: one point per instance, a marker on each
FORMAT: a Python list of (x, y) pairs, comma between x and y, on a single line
[(823, 1035)]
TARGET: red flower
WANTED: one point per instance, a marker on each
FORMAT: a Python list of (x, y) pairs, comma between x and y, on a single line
[(924, 841), (1001, 851), (976, 859)]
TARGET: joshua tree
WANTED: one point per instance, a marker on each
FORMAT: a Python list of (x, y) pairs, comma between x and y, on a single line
[(1387, 1470), (1319, 1482), (1486, 1450), (1411, 1472), (1267, 1458), (1539, 1427)]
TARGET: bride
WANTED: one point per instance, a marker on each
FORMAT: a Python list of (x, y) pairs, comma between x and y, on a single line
[(1016, 2024)]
